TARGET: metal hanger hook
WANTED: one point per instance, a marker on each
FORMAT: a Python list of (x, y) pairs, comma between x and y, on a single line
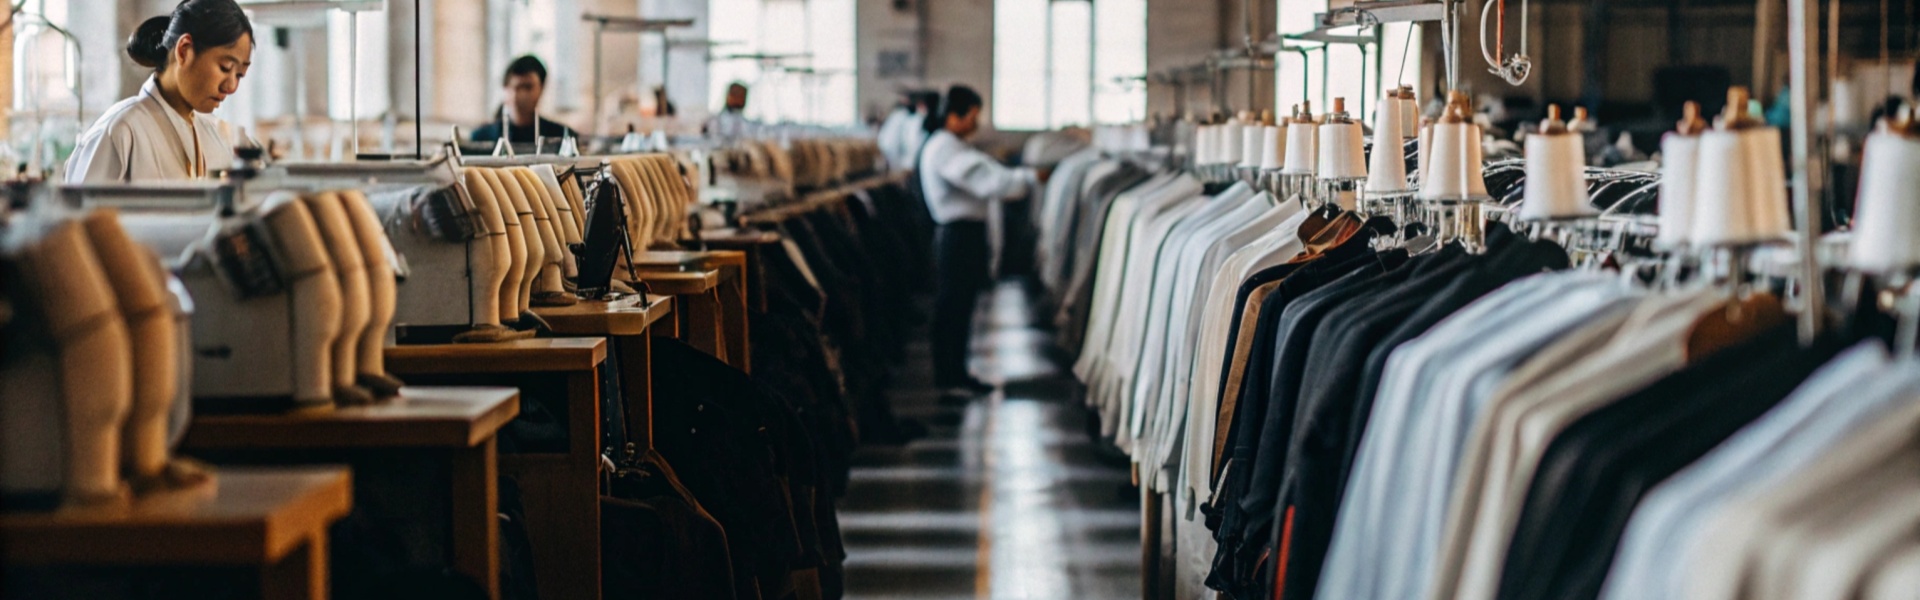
[(1514, 69)]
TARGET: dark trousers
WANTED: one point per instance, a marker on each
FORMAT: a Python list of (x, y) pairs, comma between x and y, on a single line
[(960, 271)]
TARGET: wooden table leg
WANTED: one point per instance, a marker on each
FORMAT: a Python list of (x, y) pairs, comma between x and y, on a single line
[(733, 317), (669, 327), (561, 496), (705, 329), (476, 521), (300, 575), (636, 383)]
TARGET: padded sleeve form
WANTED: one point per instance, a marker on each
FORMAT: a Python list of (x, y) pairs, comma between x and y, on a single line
[(350, 271), (94, 354), (377, 250), (140, 290), (316, 298), (510, 301), (493, 271)]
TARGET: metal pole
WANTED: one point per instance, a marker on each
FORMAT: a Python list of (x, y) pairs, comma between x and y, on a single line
[(599, 27), (1326, 67), (666, 64), (419, 116), (1380, 59), (1802, 30), (1363, 82), (1046, 111), (1093, 71), (353, 80)]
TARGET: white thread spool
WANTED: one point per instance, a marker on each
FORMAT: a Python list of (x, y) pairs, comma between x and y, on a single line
[(1273, 147), (1772, 218), (1725, 198), (1343, 153), (1203, 145), (1556, 186), (1846, 103), (1228, 144), (1302, 148), (1252, 145), (1425, 150), (1886, 220), (1679, 179), (1387, 167), (1409, 114), (1454, 171)]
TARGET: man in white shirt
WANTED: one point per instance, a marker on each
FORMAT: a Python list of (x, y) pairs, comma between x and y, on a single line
[(958, 182), (731, 123), (901, 134)]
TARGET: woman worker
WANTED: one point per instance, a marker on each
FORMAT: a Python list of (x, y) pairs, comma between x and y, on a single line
[(959, 182), (198, 56)]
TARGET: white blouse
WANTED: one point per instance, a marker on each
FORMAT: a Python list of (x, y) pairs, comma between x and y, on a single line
[(960, 181), (142, 139)]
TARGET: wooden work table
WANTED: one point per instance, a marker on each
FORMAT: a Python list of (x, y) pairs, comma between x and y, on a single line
[(713, 289), (274, 520), (751, 244), (627, 316), (728, 300), (559, 485), (626, 324), (394, 447)]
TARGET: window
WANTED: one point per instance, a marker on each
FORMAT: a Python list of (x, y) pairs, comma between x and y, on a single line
[(802, 74), (1088, 73), (357, 65), (1119, 92), (45, 64), (1343, 70)]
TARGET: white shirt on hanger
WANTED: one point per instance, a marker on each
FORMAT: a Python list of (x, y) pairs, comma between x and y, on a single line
[(1130, 323), (1270, 245), (1172, 286), (1109, 269), (142, 139)]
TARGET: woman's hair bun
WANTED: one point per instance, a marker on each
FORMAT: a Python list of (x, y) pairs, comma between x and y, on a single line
[(147, 46)]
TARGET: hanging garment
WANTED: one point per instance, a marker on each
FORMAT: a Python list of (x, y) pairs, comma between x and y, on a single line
[(1106, 284), (1334, 406), (1575, 376), (1845, 395), (1173, 275), (1101, 249), (657, 540), (1390, 518)]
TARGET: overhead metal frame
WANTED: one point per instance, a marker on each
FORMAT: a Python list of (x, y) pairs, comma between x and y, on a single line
[(604, 24)]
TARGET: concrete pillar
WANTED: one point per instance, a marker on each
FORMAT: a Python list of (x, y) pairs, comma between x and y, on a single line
[(889, 53), (461, 90), (1241, 22), (686, 63), (1180, 33)]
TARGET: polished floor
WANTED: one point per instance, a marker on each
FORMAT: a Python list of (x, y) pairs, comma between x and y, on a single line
[(1008, 498)]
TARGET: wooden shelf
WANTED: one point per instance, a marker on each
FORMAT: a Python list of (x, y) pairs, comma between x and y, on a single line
[(243, 517), (680, 283), (630, 316), (519, 356), (738, 237), (444, 417)]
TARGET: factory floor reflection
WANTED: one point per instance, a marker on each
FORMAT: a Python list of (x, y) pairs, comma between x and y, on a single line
[(1009, 497)]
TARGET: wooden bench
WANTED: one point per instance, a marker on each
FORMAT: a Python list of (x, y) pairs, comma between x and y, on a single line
[(713, 315), (394, 447), (560, 489), (273, 520), (626, 325)]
